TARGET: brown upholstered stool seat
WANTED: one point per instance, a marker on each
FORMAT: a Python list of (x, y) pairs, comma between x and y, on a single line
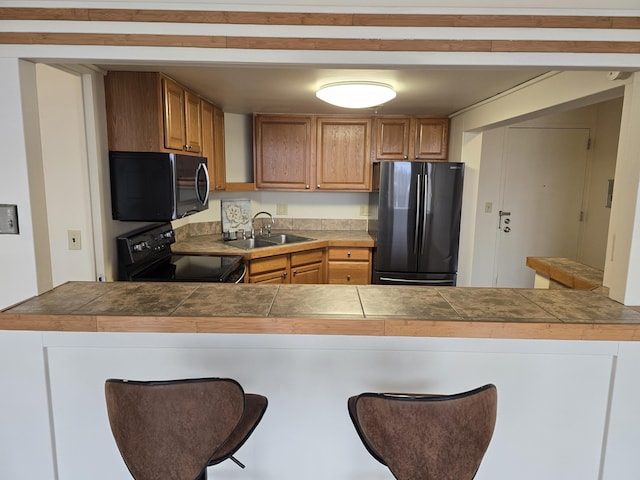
[(175, 429), (427, 437)]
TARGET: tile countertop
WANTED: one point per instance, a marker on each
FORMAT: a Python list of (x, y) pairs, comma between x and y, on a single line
[(325, 310), (214, 245), (567, 272)]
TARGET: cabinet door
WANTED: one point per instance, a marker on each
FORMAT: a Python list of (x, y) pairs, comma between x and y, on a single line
[(354, 273), (432, 138), (210, 139), (343, 153), (392, 138), (219, 180), (307, 266), (193, 128), (282, 152), (173, 115), (307, 274)]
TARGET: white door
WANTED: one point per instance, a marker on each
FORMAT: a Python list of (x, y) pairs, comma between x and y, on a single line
[(544, 173)]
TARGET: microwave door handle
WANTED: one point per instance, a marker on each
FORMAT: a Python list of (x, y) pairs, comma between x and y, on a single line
[(202, 168)]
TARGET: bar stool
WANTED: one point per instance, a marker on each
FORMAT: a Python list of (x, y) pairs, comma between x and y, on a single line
[(174, 429), (427, 437)]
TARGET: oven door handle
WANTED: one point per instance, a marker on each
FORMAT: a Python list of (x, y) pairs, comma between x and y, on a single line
[(202, 168)]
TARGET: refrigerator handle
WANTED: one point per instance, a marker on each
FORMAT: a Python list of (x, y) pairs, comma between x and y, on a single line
[(416, 230), (424, 212)]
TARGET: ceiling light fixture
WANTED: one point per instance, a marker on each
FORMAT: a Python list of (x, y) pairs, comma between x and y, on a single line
[(356, 94)]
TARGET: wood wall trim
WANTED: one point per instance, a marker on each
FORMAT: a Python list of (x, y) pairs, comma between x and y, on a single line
[(320, 19), (333, 44)]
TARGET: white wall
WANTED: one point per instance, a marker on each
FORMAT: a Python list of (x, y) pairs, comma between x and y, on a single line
[(25, 267), (66, 176), (556, 93), (601, 168), (603, 119)]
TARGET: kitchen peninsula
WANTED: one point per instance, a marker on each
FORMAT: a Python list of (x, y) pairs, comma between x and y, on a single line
[(564, 361)]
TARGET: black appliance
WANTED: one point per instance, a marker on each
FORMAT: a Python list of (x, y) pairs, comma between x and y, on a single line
[(415, 219), (153, 187), (144, 255)]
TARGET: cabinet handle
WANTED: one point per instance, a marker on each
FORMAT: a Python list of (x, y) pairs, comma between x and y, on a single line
[(348, 278), (218, 187), (294, 273), (284, 274), (318, 186), (348, 254), (306, 186), (406, 156)]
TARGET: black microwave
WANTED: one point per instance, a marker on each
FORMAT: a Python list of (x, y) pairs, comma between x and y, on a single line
[(150, 187)]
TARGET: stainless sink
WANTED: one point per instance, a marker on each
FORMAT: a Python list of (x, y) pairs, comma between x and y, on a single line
[(268, 241), (249, 243), (285, 238)]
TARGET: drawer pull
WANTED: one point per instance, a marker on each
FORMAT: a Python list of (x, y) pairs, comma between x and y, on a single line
[(348, 278), (348, 254)]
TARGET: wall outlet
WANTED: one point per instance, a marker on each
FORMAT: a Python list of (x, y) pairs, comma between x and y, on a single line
[(282, 209), (74, 240), (364, 210)]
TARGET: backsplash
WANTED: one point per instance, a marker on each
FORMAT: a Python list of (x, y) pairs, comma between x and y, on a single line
[(295, 224)]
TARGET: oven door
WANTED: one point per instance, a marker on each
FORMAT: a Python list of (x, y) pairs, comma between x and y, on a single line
[(190, 268)]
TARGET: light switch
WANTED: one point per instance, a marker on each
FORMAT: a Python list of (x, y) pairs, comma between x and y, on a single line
[(9, 219)]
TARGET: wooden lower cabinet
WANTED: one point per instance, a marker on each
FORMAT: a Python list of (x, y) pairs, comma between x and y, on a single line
[(345, 265), (349, 265), (307, 267), (269, 269)]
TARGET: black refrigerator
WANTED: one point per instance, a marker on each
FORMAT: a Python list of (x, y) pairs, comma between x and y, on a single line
[(415, 220)]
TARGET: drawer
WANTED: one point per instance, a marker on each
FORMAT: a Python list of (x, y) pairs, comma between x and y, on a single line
[(346, 254), (267, 264), (305, 258), (355, 273)]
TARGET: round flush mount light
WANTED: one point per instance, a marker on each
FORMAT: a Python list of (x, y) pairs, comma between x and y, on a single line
[(356, 94)]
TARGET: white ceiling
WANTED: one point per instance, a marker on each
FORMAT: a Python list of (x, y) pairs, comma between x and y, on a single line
[(291, 89)]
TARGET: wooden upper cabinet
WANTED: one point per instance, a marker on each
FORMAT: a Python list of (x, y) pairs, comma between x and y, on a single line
[(192, 122), (149, 112), (343, 153), (411, 138), (213, 144), (219, 181), (182, 127), (283, 151), (173, 115), (432, 138), (392, 138), (134, 111)]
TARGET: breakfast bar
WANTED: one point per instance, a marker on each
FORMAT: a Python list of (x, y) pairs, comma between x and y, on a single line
[(564, 362)]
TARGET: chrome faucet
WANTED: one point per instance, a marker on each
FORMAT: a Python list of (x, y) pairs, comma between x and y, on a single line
[(253, 230)]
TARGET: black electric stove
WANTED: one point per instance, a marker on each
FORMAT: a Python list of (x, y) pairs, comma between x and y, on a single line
[(144, 255)]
